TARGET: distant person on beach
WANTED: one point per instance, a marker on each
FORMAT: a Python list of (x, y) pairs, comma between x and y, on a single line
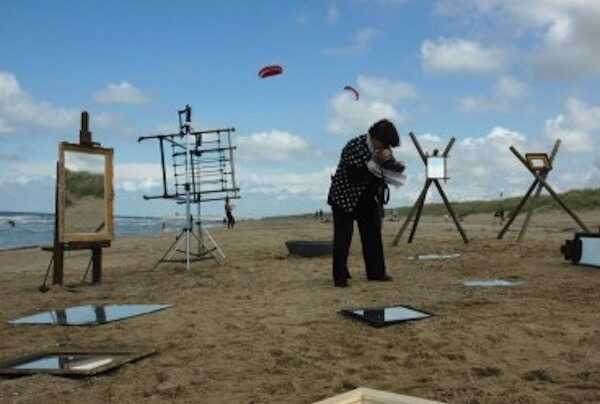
[(12, 223), (229, 214), (357, 192)]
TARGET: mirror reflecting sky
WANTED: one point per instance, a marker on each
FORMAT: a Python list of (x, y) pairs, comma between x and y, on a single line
[(436, 167)]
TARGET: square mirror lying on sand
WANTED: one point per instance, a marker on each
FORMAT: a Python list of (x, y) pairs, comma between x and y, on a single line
[(90, 315), (383, 316), (76, 363), (363, 395)]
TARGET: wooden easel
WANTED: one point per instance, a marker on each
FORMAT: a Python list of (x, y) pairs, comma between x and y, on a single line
[(539, 182), (58, 248), (418, 206)]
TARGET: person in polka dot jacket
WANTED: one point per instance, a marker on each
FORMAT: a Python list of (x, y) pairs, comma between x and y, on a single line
[(365, 166)]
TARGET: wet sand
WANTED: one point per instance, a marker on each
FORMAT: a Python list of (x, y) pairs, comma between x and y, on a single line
[(263, 327)]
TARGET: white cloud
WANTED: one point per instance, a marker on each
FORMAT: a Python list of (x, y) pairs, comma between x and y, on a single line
[(122, 93), (313, 185), (566, 31), (385, 90), (377, 96), (577, 128), (452, 55), (361, 42), (351, 117), (19, 109), (506, 90), (273, 146), (509, 87)]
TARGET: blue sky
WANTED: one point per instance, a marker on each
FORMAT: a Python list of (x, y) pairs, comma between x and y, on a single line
[(492, 73)]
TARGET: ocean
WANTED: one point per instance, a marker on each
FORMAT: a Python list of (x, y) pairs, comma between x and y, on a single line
[(32, 229)]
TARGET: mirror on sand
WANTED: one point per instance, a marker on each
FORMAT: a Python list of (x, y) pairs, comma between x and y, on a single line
[(70, 363), (85, 193)]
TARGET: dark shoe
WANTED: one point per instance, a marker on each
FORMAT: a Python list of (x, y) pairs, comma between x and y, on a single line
[(343, 284), (384, 278)]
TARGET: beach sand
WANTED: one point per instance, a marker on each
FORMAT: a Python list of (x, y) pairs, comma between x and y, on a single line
[(263, 327)]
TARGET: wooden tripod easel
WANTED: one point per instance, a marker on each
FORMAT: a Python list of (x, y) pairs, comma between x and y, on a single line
[(59, 247), (418, 206), (540, 183)]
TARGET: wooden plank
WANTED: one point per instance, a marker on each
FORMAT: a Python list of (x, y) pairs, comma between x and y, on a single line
[(364, 395)]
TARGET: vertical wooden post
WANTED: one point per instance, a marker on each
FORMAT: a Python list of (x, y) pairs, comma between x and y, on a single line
[(96, 264), (58, 250)]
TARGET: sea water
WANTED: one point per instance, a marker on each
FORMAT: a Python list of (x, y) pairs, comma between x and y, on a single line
[(32, 229)]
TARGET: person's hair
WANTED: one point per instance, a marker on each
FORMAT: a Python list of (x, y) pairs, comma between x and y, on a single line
[(385, 132)]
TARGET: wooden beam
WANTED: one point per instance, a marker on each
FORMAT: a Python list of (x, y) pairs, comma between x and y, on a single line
[(419, 211)]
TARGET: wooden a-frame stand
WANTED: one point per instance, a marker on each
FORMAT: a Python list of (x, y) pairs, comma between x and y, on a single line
[(539, 182), (418, 206)]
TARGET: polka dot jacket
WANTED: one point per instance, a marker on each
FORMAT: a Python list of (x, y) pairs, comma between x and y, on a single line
[(346, 187)]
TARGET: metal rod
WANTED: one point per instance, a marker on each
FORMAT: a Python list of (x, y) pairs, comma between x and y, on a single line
[(176, 135)]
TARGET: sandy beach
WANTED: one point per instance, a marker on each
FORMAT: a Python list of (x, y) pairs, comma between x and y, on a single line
[(264, 328)]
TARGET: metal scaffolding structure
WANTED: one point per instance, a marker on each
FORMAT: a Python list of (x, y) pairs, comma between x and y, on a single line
[(202, 167)]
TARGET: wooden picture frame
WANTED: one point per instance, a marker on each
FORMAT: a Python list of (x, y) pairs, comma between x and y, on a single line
[(538, 161), (364, 395), (107, 232)]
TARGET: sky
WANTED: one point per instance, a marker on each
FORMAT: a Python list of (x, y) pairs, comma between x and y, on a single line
[(491, 73)]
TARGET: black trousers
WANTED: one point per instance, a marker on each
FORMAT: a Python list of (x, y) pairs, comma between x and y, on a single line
[(230, 220), (368, 217)]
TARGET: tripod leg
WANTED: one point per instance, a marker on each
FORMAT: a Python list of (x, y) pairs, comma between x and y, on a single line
[(449, 207), (212, 240), (170, 251), (419, 211), (538, 191), (515, 213), (408, 218)]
